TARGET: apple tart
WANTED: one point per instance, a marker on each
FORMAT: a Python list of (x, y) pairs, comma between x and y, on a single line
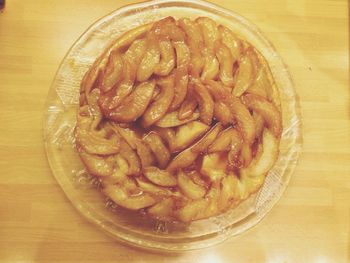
[(179, 119)]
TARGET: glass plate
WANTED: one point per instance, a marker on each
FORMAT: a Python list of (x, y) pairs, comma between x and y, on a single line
[(82, 189)]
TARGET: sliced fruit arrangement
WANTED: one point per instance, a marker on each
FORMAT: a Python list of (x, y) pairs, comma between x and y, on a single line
[(180, 119)]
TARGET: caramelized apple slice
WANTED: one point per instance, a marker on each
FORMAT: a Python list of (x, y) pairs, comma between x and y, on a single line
[(211, 65), (159, 107), (259, 84), (92, 76), (244, 76), (171, 120), (210, 35), (119, 173), (192, 210), (135, 104), (225, 58), (167, 58), (180, 88), (222, 113), (151, 188), (267, 110), (213, 198), (128, 134), (246, 154), (214, 166), (129, 37), (227, 192), (209, 30), (259, 124), (202, 145), (159, 177), (132, 59), (94, 144), (166, 28), (122, 198), (233, 157), (131, 157), (112, 73), (162, 210), (265, 160), (188, 187), (149, 61), (95, 164), (123, 89), (241, 114), (231, 41), (168, 135), (182, 160), (205, 101), (182, 54), (145, 154), (195, 42), (158, 148), (269, 82), (223, 141), (187, 134)]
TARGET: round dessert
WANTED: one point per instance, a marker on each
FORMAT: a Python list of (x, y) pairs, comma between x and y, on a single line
[(179, 119)]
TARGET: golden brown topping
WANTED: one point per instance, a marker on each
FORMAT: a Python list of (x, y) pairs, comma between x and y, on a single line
[(180, 119)]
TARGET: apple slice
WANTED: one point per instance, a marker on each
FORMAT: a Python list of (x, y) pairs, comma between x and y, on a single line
[(94, 144), (150, 59), (259, 124), (188, 187), (209, 31), (157, 146), (151, 188), (168, 135), (241, 114), (171, 120), (159, 107), (166, 28), (145, 154), (135, 104), (224, 140), (131, 157), (195, 42), (222, 113), (214, 166), (121, 197), (162, 210), (119, 173), (180, 88), (267, 110), (211, 65), (112, 73), (192, 210), (231, 41), (159, 177), (123, 89), (205, 101), (225, 58), (266, 158), (167, 58), (187, 134), (202, 145), (182, 160), (182, 54), (96, 165), (244, 76), (226, 192)]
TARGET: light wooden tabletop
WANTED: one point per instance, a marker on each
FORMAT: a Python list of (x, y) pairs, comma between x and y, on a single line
[(311, 223)]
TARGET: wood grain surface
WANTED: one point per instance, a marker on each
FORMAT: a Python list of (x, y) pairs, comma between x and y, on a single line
[(309, 224)]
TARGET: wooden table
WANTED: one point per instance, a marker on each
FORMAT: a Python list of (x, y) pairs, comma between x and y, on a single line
[(309, 224)]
